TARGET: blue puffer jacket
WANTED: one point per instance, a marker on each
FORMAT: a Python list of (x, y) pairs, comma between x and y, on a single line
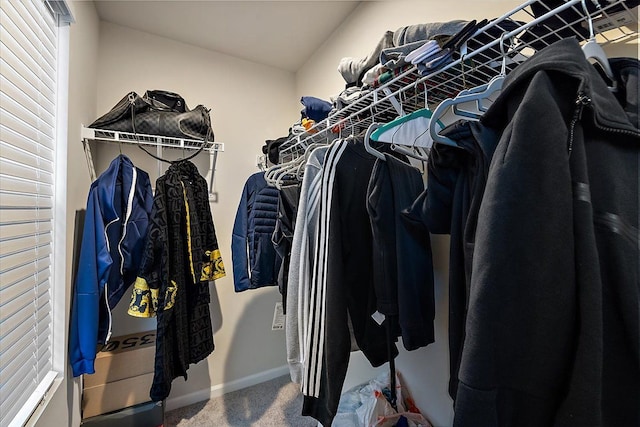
[(255, 262)]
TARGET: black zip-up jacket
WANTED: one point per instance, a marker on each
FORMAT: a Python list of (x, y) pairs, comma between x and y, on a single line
[(553, 327), (457, 178)]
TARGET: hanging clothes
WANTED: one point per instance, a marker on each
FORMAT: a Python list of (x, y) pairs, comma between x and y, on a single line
[(114, 233), (288, 199), (342, 295), (552, 332), (180, 258), (255, 261), (303, 247), (401, 257), (457, 177)]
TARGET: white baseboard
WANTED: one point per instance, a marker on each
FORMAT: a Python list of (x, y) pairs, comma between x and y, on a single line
[(226, 387)]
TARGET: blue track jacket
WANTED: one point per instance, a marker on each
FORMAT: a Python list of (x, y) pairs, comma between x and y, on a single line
[(114, 233)]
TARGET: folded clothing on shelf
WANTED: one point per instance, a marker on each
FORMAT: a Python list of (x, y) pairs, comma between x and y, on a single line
[(353, 70)]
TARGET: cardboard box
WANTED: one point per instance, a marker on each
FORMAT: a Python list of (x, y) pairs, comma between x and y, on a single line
[(116, 395), (112, 367), (123, 377)]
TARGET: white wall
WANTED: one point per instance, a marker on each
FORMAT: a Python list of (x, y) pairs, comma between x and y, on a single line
[(250, 103), (425, 371)]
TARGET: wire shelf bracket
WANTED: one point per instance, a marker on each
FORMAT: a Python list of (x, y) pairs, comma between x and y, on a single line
[(160, 142)]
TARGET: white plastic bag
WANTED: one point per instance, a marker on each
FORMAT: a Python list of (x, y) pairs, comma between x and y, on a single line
[(366, 406)]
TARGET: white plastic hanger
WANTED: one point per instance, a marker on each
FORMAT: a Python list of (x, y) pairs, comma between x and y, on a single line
[(408, 130), (477, 95), (593, 51), (367, 141)]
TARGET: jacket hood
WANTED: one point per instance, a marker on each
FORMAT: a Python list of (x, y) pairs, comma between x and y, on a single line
[(106, 185), (566, 57)]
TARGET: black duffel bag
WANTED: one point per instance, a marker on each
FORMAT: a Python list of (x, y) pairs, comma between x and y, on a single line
[(158, 112)]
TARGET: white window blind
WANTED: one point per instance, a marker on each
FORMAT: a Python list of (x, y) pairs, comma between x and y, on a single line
[(28, 42)]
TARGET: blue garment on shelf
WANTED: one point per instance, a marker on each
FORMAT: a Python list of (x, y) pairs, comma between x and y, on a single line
[(315, 109)]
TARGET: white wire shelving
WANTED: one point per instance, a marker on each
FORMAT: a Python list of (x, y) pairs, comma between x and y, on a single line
[(527, 28), (160, 142)]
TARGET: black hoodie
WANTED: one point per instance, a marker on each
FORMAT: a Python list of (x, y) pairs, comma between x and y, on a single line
[(553, 327)]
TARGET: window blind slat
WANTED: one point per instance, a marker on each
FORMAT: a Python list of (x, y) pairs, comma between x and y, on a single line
[(12, 291), (23, 142), (28, 34), (43, 135), (8, 151), (30, 173), (24, 244), (15, 307), (15, 71), (29, 22), (44, 358), (11, 184), (37, 59), (44, 317), (12, 231), (35, 13), (10, 346), (22, 272), (28, 79), (16, 260), (23, 201), (15, 93), (10, 74), (19, 386), (11, 365), (26, 117), (34, 65), (19, 216), (6, 417), (43, 299), (12, 94), (14, 68)]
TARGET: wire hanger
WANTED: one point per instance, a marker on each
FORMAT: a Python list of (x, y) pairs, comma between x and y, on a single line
[(483, 92), (408, 130), (477, 95), (593, 51)]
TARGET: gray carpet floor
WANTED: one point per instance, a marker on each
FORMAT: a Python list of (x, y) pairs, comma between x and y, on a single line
[(275, 403)]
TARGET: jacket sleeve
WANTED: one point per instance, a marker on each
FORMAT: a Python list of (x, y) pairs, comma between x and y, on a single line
[(239, 244), (212, 267), (93, 271), (298, 276), (144, 296), (522, 307)]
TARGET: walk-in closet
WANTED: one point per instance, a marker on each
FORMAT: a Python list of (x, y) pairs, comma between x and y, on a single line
[(319, 213)]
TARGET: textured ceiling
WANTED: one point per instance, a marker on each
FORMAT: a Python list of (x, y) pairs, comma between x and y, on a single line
[(282, 34)]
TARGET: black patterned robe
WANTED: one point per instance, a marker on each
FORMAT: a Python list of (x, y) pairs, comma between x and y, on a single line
[(180, 258)]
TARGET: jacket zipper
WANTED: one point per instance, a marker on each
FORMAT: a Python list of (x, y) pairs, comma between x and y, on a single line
[(580, 103), (622, 131)]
